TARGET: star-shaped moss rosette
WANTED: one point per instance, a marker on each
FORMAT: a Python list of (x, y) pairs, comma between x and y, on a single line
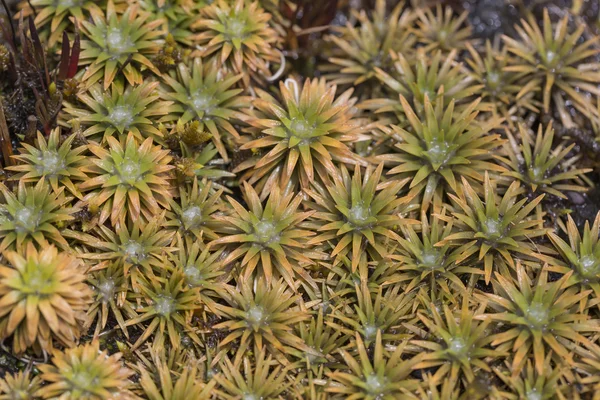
[(441, 28), (108, 282), (238, 36), (499, 88), (204, 93), (360, 50), (300, 137), (113, 43), (20, 385), (581, 254), (356, 215), (43, 298), (437, 78), (538, 316), (128, 180), (529, 383), (382, 373), (54, 160), (137, 247), (51, 17), (260, 378), (440, 148), (318, 334), (261, 314), (375, 312), (589, 364), (270, 238), (543, 167), (559, 62), (201, 268), (456, 342), (432, 388), (177, 16), (33, 214), (174, 379), (85, 372), (118, 110), (421, 262), (492, 226), (193, 213), (167, 303)]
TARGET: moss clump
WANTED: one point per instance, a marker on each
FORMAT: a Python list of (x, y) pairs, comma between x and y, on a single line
[(282, 199)]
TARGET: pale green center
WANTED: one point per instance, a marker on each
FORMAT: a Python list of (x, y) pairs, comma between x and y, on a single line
[(192, 274), (84, 380), (134, 252), (107, 289), (164, 305), (191, 216), (38, 283), (236, 28), (117, 42), (359, 215), (430, 259), (50, 163), (27, 219), (457, 346), (492, 227), (442, 35), (301, 128), (265, 231), (121, 116), (370, 331), (439, 153), (256, 316), (536, 174), (130, 171), (533, 394), (493, 78), (589, 267), (375, 385), (537, 315), (201, 102)]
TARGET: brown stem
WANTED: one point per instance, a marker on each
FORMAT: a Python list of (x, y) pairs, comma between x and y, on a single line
[(5, 142)]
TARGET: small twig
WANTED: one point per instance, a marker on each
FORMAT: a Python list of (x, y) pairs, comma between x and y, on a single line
[(5, 142), (108, 332), (32, 9), (26, 360), (279, 72), (122, 67), (30, 133), (12, 28), (314, 29)]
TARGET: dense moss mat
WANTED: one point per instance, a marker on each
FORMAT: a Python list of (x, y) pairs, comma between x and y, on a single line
[(291, 199)]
